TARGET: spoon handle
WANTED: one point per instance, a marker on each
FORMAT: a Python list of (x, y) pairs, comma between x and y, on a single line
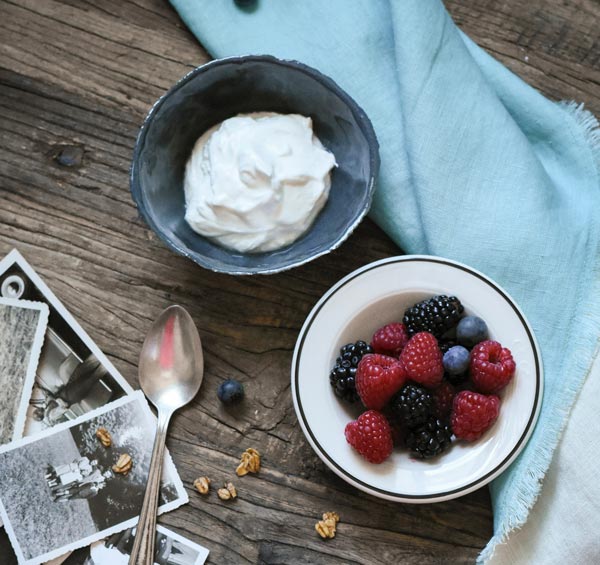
[(143, 546)]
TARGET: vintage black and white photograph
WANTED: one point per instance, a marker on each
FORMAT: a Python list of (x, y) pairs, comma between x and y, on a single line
[(81, 481), (171, 549), (72, 377), (22, 328)]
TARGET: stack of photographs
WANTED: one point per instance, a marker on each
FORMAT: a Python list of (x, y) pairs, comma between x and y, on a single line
[(75, 438)]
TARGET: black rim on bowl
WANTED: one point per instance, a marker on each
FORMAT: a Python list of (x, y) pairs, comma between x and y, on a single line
[(283, 262)]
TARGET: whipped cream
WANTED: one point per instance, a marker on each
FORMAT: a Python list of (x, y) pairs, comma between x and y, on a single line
[(256, 182)]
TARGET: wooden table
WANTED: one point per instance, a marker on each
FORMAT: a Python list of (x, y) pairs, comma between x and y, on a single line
[(76, 79)]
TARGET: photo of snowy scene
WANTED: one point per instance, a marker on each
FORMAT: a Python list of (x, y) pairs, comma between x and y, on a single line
[(19, 328), (70, 380), (64, 487), (171, 549)]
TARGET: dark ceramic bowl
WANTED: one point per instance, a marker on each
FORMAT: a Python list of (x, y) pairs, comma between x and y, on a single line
[(226, 87)]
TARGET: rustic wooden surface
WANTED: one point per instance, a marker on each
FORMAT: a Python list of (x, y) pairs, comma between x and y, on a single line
[(76, 79)]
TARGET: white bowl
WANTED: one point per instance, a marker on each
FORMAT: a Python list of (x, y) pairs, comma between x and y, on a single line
[(377, 294)]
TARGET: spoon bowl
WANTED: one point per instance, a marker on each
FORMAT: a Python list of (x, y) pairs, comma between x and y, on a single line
[(171, 363)]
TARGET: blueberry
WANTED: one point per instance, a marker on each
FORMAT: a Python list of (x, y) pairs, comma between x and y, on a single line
[(471, 330), (230, 391), (456, 360), (245, 3)]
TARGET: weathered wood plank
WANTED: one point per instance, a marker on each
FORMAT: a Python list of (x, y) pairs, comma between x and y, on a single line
[(82, 73), (554, 46)]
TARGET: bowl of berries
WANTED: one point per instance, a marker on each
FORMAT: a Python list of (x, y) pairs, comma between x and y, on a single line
[(417, 379)]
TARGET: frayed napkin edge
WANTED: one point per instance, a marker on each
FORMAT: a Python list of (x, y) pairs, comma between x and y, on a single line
[(529, 490)]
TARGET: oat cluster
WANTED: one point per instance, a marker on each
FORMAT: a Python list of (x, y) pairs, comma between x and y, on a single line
[(249, 462), (202, 485), (326, 527), (123, 464), (104, 437), (228, 492)]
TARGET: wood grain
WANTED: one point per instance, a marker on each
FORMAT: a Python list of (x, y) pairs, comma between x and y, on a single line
[(76, 79)]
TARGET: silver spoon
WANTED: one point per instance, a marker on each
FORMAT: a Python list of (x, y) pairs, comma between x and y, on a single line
[(171, 370)]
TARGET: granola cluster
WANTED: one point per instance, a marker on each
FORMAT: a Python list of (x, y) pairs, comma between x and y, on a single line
[(326, 527), (202, 485), (123, 464), (249, 462), (104, 437), (227, 492)]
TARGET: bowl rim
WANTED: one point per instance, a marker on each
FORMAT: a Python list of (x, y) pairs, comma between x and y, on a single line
[(361, 117), (434, 497)]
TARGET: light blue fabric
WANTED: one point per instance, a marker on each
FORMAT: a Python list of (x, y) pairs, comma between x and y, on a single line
[(476, 166)]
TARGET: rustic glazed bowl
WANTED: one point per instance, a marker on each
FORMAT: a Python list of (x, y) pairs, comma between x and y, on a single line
[(224, 88)]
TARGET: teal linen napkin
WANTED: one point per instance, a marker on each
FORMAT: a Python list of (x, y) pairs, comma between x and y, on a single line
[(476, 166)]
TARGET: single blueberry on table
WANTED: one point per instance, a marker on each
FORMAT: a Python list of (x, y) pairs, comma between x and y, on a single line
[(230, 391), (456, 360), (245, 3), (471, 330)]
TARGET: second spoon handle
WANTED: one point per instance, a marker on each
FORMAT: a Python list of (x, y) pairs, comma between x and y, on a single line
[(143, 545)]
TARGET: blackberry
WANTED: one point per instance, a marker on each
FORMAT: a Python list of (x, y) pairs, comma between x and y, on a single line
[(456, 380), (413, 405), (435, 315), (446, 344), (343, 373), (429, 439)]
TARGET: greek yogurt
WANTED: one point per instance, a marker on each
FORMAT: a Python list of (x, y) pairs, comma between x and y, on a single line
[(256, 182)]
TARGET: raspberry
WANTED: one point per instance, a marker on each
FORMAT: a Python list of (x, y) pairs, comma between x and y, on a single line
[(473, 414), (443, 396), (422, 360), (378, 378), (390, 340), (371, 436), (492, 366)]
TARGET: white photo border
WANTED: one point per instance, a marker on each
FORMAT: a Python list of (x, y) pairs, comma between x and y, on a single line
[(202, 551)]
